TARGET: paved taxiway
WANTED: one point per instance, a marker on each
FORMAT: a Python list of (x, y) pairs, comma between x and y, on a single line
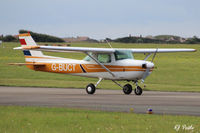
[(179, 103)]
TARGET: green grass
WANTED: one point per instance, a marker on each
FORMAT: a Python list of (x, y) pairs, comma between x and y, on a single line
[(175, 71), (50, 120)]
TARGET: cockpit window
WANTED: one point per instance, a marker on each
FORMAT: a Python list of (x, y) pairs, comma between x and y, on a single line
[(123, 54), (104, 58)]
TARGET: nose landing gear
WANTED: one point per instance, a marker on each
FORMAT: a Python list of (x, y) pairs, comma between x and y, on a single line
[(138, 90)]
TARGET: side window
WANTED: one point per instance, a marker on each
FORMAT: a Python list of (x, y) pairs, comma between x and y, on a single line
[(104, 58)]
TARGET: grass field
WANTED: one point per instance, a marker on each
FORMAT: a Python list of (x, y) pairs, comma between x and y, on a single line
[(50, 120), (175, 71)]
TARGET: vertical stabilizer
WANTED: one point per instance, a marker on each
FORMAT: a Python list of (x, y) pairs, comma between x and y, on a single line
[(26, 39)]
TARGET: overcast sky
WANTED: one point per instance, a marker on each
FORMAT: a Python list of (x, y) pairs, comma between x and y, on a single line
[(101, 18)]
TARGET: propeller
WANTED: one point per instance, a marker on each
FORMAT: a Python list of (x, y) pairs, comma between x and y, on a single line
[(146, 74)]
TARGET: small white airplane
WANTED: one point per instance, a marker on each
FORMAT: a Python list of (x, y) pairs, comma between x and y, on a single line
[(103, 63)]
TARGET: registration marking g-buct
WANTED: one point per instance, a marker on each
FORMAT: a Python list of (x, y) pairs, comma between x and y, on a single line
[(63, 67)]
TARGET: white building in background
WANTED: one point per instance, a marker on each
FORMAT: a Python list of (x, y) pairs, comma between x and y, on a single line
[(0, 42)]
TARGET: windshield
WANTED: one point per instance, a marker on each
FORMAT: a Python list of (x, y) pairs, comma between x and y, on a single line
[(123, 54)]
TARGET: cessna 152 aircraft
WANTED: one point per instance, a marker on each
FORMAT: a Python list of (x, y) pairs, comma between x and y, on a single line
[(103, 63)]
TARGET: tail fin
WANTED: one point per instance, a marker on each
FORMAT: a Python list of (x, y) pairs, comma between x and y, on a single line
[(26, 39)]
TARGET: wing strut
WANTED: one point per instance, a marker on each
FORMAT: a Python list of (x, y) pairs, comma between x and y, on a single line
[(102, 65), (154, 55)]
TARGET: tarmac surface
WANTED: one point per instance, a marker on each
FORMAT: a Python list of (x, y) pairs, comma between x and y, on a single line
[(176, 103)]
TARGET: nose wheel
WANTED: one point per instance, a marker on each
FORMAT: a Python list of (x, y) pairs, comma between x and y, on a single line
[(138, 90)]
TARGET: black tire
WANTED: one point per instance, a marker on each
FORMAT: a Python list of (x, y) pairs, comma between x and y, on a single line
[(127, 89), (90, 89), (138, 90)]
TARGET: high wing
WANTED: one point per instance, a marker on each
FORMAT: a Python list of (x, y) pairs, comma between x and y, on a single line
[(101, 50)]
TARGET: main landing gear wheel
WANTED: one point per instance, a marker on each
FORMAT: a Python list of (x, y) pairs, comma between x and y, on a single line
[(127, 89), (90, 89), (138, 90)]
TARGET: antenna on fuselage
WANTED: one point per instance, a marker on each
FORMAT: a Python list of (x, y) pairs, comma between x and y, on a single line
[(109, 43)]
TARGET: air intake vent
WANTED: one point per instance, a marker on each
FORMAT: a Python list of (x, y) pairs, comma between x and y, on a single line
[(144, 66)]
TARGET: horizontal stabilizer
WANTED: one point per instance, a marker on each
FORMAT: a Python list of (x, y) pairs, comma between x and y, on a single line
[(26, 64)]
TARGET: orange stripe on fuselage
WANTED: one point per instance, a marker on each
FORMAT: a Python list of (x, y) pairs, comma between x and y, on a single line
[(98, 68), (75, 68)]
